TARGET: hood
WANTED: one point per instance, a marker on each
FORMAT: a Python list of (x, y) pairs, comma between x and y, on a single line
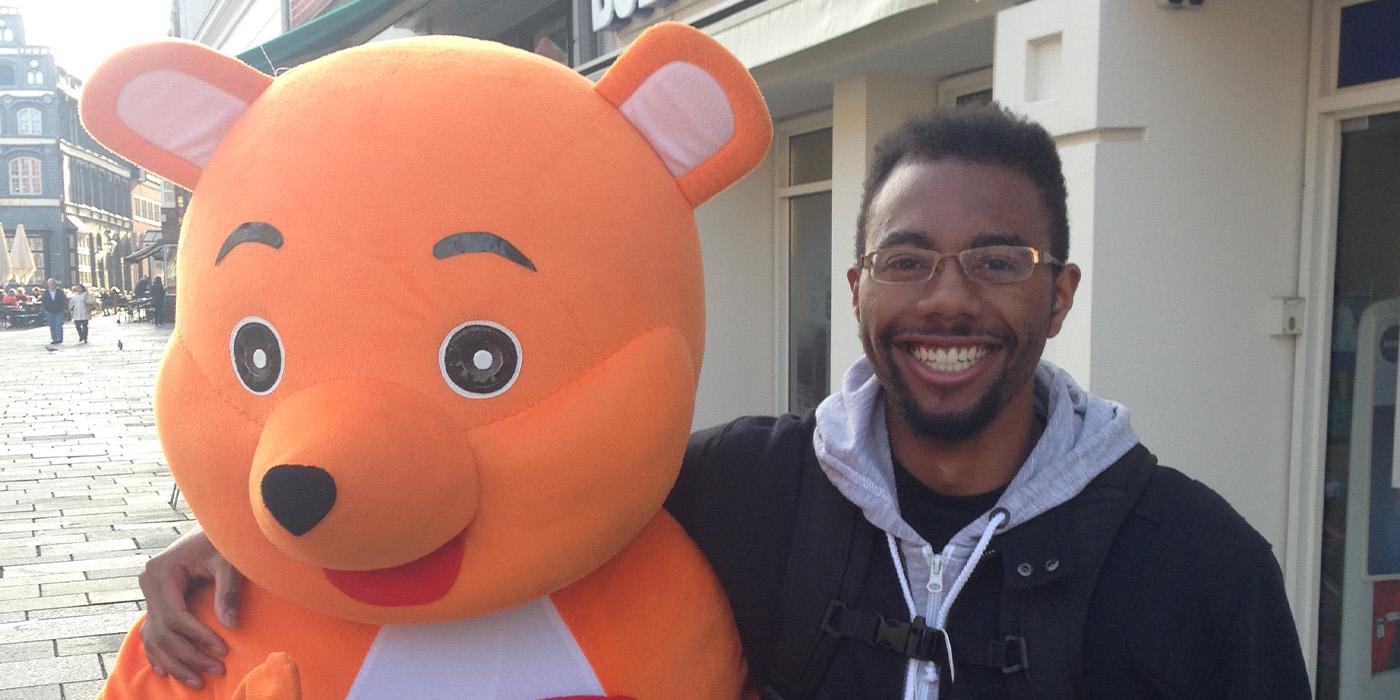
[(1083, 436)]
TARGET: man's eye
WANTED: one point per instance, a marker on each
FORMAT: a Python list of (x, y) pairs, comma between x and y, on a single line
[(905, 263), (998, 264)]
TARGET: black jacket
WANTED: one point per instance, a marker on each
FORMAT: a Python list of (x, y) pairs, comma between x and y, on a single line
[(1189, 602), (57, 304)]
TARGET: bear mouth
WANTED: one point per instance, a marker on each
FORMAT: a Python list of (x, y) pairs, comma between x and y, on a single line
[(418, 582)]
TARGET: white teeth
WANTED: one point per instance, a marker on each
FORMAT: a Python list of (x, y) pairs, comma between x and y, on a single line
[(950, 359)]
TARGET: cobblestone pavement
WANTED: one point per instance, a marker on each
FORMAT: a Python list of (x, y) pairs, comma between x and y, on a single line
[(83, 502)]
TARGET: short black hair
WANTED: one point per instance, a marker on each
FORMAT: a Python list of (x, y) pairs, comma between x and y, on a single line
[(987, 134)]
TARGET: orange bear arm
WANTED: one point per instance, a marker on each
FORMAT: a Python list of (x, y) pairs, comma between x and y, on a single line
[(654, 621)]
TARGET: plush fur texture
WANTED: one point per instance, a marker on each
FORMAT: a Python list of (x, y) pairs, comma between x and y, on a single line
[(316, 374)]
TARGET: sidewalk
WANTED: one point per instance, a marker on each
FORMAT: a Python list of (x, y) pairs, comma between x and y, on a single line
[(83, 502)]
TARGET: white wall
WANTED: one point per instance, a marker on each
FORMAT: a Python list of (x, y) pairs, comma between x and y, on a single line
[(1185, 129), (736, 240)]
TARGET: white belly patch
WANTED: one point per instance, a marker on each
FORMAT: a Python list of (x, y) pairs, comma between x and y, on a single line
[(526, 653)]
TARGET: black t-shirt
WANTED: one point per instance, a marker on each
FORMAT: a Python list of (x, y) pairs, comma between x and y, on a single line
[(934, 516)]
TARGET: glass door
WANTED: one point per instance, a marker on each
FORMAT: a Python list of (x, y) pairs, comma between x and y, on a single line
[(1359, 618)]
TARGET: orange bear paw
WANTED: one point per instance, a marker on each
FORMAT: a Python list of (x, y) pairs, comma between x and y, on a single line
[(276, 678)]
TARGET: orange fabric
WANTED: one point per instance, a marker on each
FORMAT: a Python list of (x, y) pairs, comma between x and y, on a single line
[(325, 651), (364, 161), (655, 622), (274, 679)]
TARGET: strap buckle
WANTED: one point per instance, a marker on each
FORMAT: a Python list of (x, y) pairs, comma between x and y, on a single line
[(1014, 650), (915, 640)]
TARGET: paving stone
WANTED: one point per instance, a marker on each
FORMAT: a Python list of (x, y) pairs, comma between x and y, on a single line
[(132, 593), (47, 578), (97, 644), (23, 651), (57, 601), (80, 610), (15, 592), (33, 692), (59, 669), (157, 541), (9, 553), (86, 565), (87, 586), (89, 547), (87, 690), (115, 573), (64, 628), (83, 503)]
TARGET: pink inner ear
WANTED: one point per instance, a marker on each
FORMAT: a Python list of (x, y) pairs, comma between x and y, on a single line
[(683, 112), (178, 112)]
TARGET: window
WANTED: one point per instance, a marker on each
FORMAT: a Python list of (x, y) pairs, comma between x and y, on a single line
[(29, 122), (1369, 52), (7, 75), (36, 246), (26, 176), (35, 77), (804, 205), (7, 34), (972, 88)]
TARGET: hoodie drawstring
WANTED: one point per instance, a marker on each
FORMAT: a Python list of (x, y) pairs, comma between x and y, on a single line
[(998, 517)]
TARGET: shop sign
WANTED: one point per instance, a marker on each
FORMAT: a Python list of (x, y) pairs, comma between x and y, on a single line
[(613, 14)]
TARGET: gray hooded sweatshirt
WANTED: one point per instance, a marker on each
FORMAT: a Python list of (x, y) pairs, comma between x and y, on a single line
[(1083, 436)]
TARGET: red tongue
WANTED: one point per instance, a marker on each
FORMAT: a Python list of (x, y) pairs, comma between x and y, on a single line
[(415, 583)]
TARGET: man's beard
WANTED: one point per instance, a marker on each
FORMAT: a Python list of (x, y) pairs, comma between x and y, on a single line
[(960, 426)]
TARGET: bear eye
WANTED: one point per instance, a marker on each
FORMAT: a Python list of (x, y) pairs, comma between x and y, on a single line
[(257, 355), (480, 359)]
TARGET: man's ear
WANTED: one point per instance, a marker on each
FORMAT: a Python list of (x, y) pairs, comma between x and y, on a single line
[(853, 279), (1066, 282), (694, 103), (165, 106)]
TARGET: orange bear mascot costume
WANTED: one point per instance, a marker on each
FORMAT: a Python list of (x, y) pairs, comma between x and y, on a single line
[(439, 333)]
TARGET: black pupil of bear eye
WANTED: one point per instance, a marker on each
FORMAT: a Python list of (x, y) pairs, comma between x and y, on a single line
[(257, 356), (481, 359)]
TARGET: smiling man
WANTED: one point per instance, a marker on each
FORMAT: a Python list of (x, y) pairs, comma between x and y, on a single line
[(961, 520)]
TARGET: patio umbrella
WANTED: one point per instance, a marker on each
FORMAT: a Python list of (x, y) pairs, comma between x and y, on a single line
[(21, 257), (6, 274)]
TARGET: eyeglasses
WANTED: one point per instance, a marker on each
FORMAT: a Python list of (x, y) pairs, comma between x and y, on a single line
[(993, 264)]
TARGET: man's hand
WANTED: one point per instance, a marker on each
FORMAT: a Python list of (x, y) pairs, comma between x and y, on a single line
[(176, 642)]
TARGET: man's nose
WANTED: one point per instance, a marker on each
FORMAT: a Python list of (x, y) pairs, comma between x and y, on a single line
[(949, 290)]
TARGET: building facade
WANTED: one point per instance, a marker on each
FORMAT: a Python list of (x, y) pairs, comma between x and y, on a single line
[(1234, 182), (72, 196)]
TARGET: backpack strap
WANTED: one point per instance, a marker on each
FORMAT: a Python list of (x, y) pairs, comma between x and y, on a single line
[(1043, 612), (830, 553)]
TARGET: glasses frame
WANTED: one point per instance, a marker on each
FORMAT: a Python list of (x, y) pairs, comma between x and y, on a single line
[(1038, 257)]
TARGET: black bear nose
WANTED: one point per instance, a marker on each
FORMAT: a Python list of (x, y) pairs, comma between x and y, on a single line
[(299, 497)]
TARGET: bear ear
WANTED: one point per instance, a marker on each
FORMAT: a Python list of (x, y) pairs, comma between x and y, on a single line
[(694, 103), (166, 105)]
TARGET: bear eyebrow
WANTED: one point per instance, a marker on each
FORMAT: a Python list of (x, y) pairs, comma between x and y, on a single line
[(480, 242), (250, 232)]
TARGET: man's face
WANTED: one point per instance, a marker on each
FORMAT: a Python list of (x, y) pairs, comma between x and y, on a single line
[(952, 352), (53, 284)]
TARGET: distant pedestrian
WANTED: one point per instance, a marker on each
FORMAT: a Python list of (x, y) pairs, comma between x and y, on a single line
[(157, 299), (143, 287), (80, 304), (55, 304)]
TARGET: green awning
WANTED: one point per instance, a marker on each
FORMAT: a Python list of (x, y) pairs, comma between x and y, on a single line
[(318, 37)]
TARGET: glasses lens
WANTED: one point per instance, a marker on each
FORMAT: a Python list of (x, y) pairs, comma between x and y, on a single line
[(999, 264), (901, 266)]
